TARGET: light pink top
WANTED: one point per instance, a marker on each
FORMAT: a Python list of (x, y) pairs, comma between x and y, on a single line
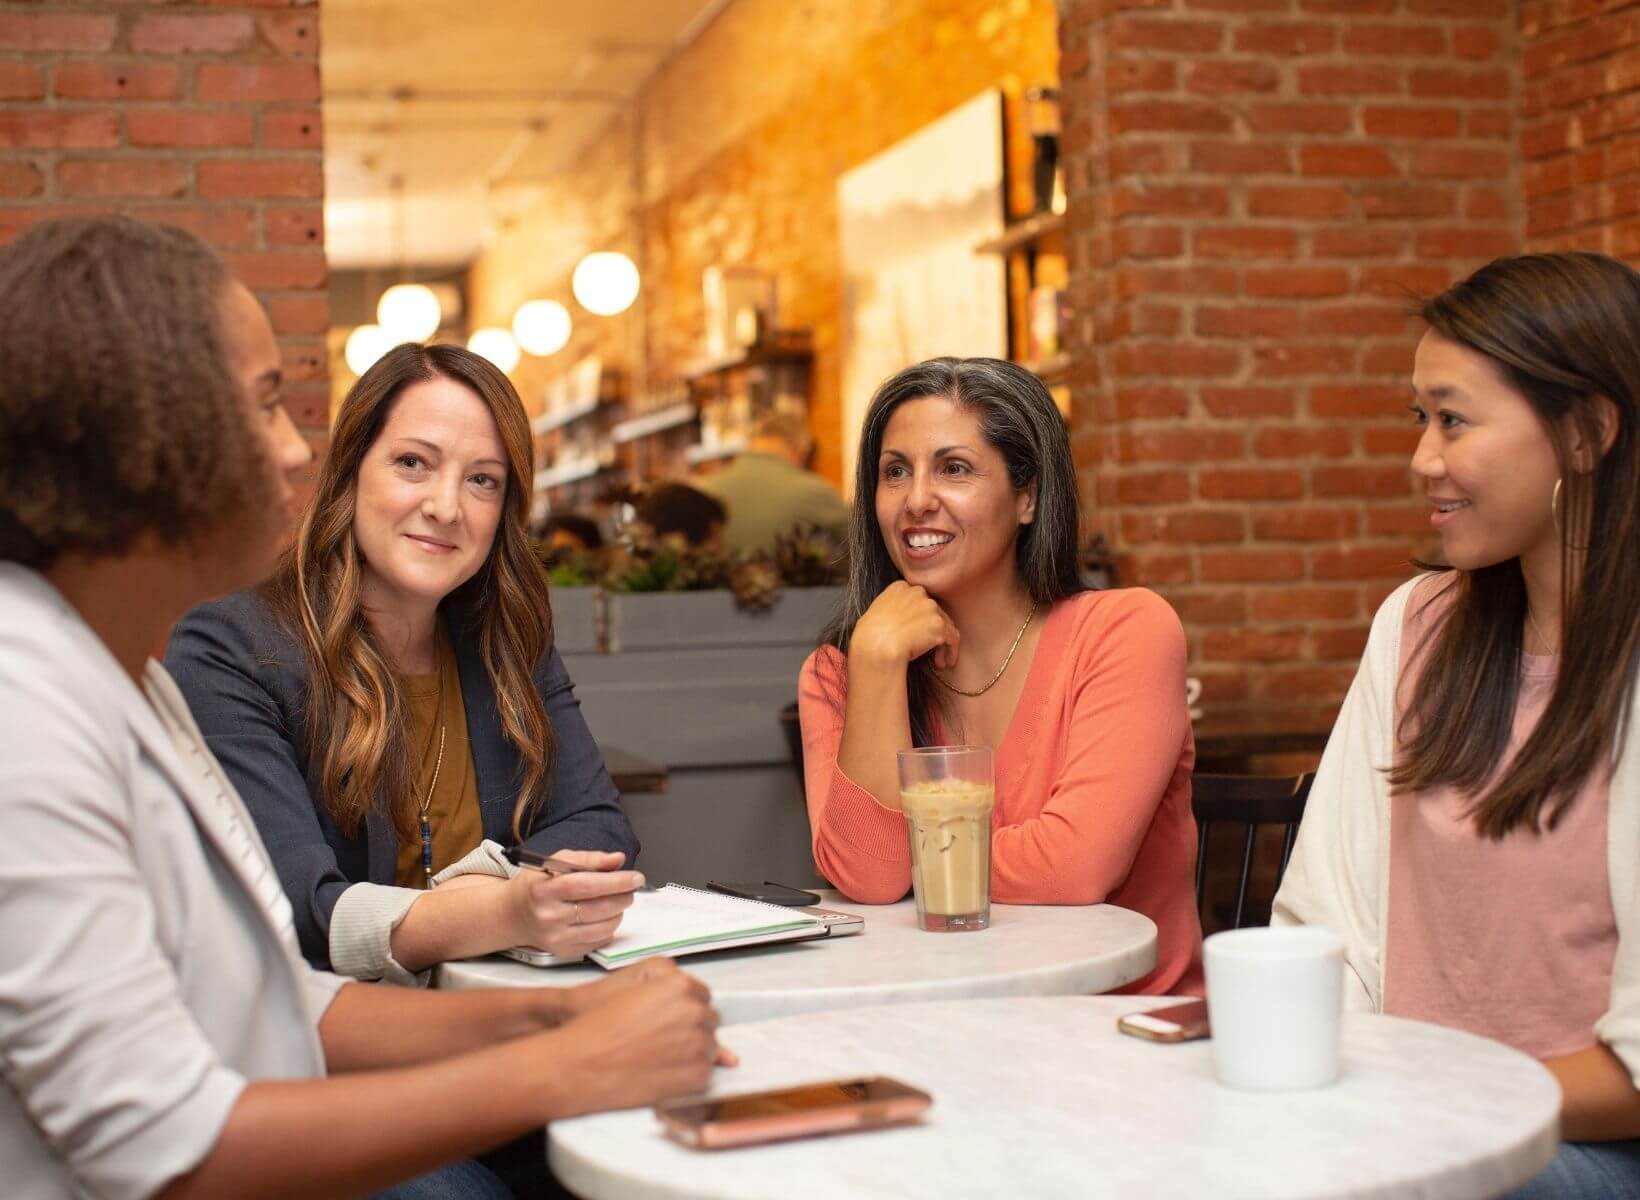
[(1510, 939)]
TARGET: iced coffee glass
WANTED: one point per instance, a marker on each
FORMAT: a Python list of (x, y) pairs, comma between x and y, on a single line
[(947, 794)]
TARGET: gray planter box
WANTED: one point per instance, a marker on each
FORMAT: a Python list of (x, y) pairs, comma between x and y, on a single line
[(710, 620), (575, 619), (691, 681)]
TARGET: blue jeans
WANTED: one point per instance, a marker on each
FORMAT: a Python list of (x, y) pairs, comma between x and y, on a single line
[(1596, 1170), (466, 1180)]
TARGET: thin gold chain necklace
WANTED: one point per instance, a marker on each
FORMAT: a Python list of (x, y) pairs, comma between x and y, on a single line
[(427, 800), (1532, 621), (1018, 637)]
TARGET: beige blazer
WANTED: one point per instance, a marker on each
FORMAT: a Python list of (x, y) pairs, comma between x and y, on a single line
[(148, 960)]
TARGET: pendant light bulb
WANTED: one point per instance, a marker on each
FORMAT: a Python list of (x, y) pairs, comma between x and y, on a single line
[(364, 346), (409, 312), (496, 344), (605, 283), (542, 327)]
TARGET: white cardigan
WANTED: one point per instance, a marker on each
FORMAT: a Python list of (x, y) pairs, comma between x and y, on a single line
[(1339, 874)]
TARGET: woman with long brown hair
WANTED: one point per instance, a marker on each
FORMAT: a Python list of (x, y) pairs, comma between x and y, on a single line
[(1474, 829), (390, 704)]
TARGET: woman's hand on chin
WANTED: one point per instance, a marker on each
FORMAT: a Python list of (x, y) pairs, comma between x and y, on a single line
[(903, 624)]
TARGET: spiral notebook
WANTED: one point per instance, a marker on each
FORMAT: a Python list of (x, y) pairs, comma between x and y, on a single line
[(674, 920)]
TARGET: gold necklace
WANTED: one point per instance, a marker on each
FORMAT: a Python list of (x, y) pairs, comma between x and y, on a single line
[(427, 801), (1017, 638), (1532, 621)]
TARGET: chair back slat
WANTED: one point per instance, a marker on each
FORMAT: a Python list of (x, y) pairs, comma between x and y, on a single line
[(1252, 801)]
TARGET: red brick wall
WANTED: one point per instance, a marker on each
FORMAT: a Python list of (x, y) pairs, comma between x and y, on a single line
[(1256, 187), (199, 115), (1580, 124)]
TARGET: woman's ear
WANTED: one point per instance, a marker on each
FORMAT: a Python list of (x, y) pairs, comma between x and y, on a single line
[(1599, 425), (1026, 504)]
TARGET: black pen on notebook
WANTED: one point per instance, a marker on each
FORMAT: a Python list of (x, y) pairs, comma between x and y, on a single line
[(547, 864), (534, 860)]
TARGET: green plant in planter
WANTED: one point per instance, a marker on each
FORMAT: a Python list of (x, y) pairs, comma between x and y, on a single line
[(806, 557), (568, 568), (809, 556)]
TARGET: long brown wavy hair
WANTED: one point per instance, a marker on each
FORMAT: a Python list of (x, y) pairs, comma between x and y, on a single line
[(1561, 329), (356, 715)]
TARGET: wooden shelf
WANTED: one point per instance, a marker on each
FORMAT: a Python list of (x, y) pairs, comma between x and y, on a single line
[(570, 472), (1050, 370), (547, 422), (786, 346), (700, 454), (646, 424), (1021, 235)]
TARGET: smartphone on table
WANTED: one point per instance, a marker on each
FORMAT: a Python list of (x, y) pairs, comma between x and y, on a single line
[(1176, 1023), (768, 893), (836, 1106)]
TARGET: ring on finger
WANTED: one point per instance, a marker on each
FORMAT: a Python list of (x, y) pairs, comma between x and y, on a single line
[(576, 918)]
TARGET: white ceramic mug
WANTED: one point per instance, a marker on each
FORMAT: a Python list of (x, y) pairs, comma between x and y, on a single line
[(1274, 997)]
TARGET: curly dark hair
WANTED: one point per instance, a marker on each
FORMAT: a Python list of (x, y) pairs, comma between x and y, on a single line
[(119, 411)]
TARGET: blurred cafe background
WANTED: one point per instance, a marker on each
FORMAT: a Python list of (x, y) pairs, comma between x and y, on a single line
[(688, 226)]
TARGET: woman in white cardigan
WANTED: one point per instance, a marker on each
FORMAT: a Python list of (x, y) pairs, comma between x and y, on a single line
[(160, 1032), (1474, 829)]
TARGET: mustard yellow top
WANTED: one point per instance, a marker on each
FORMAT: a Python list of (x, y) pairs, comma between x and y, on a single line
[(453, 814)]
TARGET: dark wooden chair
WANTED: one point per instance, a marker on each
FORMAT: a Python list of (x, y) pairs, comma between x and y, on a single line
[(793, 729), (1253, 801)]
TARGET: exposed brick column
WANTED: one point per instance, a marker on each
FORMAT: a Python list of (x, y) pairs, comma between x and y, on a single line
[(204, 116), (1580, 134), (1256, 188)]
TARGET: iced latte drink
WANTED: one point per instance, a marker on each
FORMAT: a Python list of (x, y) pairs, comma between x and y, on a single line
[(947, 796)]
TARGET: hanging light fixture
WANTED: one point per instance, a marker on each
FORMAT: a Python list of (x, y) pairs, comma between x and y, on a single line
[(542, 327), (497, 345), (605, 283), (409, 312), (364, 346)]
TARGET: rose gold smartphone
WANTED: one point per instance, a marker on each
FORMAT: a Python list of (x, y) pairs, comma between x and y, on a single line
[(814, 1108), (1175, 1023)]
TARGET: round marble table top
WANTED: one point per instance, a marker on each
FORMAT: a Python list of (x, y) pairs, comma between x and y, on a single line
[(1042, 1097), (1029, 950)]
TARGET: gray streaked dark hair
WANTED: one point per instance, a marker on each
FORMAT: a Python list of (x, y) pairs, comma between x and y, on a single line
[(1019, 420)]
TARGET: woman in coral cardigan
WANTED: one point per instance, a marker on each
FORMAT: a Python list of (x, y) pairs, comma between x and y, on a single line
[(965, 622), (1472, 834)]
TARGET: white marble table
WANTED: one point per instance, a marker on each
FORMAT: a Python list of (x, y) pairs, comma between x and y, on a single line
[(1041, 1097), (1030, 950)]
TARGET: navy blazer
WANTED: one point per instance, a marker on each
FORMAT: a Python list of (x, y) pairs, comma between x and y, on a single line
[(245, 680)]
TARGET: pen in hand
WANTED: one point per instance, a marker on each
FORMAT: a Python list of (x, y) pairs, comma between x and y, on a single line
[(534, 860)]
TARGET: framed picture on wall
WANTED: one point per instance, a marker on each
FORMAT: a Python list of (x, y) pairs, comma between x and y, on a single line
[(913, 287)]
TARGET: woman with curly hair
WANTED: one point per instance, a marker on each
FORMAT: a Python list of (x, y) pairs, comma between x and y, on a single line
[(162, 1034)]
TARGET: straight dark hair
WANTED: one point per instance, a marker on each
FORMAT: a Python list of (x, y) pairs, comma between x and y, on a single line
[(1561, 330), (1018, 418)]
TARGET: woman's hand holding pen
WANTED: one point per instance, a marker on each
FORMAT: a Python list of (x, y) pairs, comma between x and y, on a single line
[(574, 913)]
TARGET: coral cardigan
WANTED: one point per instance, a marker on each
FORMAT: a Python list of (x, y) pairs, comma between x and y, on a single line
[(1093, 780)]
